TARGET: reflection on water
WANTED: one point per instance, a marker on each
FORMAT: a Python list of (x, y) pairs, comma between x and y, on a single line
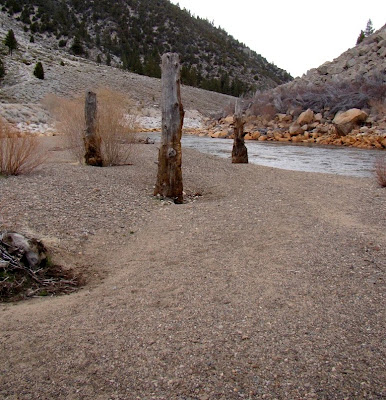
[(310, 158)]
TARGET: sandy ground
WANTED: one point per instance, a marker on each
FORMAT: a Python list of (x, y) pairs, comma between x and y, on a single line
[(268, 286)]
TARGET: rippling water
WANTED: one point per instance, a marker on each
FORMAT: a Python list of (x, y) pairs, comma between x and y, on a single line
[(310, 158)]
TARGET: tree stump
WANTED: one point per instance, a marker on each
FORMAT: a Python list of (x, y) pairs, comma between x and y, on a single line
[(92, 141), (169, 178), (239, 150)]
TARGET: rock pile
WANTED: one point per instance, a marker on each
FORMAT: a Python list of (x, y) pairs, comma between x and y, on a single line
[(351, 128)]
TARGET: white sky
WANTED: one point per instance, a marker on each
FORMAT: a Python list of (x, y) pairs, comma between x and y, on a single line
[(295, 35)]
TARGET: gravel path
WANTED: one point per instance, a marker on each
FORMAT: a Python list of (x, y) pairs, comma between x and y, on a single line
[(270, 285)]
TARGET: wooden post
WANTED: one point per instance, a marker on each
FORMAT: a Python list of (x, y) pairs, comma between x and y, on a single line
[(169, 178), (239, 150), (92, 141)]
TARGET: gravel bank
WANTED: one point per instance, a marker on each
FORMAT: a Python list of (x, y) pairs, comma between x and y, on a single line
[(270, 285)]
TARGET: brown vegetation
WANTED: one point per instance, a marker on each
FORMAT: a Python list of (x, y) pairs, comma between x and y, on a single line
[(380, 171), (334, 97), (115, 124), (19, 154)]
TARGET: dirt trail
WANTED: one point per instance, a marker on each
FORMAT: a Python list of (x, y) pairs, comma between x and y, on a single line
[(270, 285)]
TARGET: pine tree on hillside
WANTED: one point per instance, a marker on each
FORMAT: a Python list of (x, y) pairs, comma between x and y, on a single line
[(369, 28), (2, 69), (77, 47), (39, 71), (361, 37), (10, 41)]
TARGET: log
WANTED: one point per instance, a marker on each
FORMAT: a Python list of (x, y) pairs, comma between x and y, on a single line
[(92, 141), (239, 150), (169, 178)]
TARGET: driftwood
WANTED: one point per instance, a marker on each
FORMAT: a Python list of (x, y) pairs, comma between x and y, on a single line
[(92, 141), (239, 150), (169, 178), (20, 276)]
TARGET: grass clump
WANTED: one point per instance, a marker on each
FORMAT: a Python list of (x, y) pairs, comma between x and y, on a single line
[(380, 171), (19, 154), (116, 124)]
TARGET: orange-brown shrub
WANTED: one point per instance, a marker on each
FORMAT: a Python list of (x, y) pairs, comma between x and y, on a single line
[(380, 171), (19, 154), (116, 124)]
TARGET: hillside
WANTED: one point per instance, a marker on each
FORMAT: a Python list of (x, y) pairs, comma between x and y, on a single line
[(133, 34), (306, 110), (66, 75), (367, 60)]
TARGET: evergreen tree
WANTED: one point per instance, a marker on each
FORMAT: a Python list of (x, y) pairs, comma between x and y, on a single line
[(108, 59), (77, 47), (39, 71), (360, 37), (10, 41), (2, 69), (369, 28)]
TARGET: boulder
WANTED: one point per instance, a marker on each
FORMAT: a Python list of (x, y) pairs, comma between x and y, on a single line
[(298, 139), (305, 117), (219, 134), (228, 119), (323, 69), (284, 117), (295, 129), (255, 135), (277, 135), (346, 121)]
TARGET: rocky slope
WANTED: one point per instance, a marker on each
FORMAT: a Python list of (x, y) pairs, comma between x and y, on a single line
[(133, 35), (21, 93), (351, 88), (368, 59)]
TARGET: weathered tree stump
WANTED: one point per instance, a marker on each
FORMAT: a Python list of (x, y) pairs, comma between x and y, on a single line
[(169, 178), (92, 141), (239, 150)]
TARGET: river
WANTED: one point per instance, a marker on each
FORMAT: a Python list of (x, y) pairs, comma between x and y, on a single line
[(311, 158)]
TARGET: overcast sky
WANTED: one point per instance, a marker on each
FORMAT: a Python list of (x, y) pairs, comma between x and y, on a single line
[(295, 35)]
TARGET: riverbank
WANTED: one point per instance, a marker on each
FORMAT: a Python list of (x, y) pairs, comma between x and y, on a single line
[(265, 284), (308, 128)]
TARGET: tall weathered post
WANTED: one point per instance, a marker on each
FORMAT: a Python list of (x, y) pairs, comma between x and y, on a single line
[(239, 150), (92, 141), (169, 179)]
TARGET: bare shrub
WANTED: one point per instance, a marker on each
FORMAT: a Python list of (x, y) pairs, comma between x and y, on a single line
[(380, 171), (334, 96), (116, 124), (70, 120), (378, 108), (19, 154)]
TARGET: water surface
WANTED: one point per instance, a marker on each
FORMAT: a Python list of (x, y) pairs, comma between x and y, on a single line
[(310, 158)]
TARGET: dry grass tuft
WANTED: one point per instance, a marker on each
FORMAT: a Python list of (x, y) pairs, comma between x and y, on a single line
[(380, 171), (19, 154), (116, 124)]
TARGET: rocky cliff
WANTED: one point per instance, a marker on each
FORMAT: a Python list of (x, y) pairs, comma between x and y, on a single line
[(367, 60), (344, 101)]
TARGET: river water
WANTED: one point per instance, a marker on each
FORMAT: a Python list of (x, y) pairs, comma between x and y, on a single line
[(311, 158)]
